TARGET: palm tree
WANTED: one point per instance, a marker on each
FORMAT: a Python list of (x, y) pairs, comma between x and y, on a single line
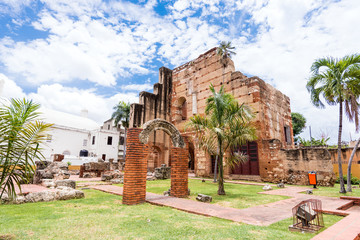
[(225, 51), (122, 114), (21, 135), (225, 126), (338, 81)]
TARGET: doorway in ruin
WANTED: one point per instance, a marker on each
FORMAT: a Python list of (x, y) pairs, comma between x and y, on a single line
[(191, 158), (138, 150), (153, 158), (251, 167)]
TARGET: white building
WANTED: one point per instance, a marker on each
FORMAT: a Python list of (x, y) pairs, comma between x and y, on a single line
[(71, 134)]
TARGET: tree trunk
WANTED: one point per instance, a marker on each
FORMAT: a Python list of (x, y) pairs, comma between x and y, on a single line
[(216, 164), (349, 166), (342, 187), (221, 189)]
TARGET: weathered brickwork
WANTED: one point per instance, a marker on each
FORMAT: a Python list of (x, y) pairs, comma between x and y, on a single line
[(179, 172), (135, 169), (136, 165), (185, 95)]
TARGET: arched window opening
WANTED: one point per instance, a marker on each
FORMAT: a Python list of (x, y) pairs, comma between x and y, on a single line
[(184, 110)]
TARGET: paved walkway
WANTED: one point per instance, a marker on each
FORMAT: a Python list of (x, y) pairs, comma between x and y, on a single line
[(262, 215)]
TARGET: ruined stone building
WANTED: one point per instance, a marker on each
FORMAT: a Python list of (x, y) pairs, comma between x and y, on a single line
[(182, 93)]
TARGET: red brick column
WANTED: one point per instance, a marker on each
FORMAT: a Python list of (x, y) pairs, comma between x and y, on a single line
[(135, 169), (179, 172)]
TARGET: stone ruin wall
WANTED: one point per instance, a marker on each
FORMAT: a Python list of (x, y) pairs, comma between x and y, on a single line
[(151, 106), (294, 165), (191, 82)]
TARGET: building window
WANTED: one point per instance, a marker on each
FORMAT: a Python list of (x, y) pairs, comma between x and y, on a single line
[(103, 157), (287, 135), (48, 138), (84, 142), (109, 127), (93, 140), (109, 141), (122, 140)]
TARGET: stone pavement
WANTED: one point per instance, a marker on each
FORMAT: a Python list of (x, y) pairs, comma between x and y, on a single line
[(262, 215), (28, 188)]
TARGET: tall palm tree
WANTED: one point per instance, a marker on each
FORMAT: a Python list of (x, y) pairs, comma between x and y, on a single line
[(338, 81), (226, 125), (224, 51), (21, 135), (122, 114)]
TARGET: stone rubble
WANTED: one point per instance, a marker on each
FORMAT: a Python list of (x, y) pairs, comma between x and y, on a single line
[(267, 187), (50, 170), (60, 193), (204, 198)]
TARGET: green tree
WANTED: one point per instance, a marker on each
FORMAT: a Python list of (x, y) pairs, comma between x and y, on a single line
[(298, 123), (224, 51), (122, 114), (20, 139), (225, 126), (338, 82)]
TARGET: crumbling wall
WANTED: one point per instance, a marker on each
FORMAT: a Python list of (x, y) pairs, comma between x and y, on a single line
[(296, 163), (151, 106)]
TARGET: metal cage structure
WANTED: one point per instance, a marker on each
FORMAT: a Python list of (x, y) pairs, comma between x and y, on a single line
[(307, 216)]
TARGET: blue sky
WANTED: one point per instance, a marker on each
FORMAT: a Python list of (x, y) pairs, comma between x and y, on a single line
[(70, 55)]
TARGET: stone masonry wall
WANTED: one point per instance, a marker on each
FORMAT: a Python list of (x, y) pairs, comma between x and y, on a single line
[(191, 82), (296, 163)]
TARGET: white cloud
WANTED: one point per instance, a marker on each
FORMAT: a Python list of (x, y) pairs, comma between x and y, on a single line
[(292, 36), (137, 87), (9, 89), (73, 100)]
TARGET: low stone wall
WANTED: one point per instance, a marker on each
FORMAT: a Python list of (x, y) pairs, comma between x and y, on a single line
[(298, 162)]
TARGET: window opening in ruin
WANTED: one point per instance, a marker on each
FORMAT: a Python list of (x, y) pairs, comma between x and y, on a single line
[(93, 140), (109, 140), (184, 111), (287, 134)]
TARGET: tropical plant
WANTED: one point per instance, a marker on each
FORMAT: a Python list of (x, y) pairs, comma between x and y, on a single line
[(338, 82), (298, 123), (224, 51), (225, 126), (314, 142), (122, 114), (20, 139)]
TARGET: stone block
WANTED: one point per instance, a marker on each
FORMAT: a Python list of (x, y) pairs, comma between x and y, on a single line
[(204, 198)]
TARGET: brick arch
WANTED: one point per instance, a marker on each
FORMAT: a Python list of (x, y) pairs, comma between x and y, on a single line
[(160, 124), (137, 150)]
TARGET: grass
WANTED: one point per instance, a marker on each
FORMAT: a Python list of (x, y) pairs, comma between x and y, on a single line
[(334, 191), (102, 216), (237, 195)]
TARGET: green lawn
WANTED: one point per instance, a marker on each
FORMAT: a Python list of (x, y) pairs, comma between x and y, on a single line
[(102, 216), (237, 195), (334, 191)]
